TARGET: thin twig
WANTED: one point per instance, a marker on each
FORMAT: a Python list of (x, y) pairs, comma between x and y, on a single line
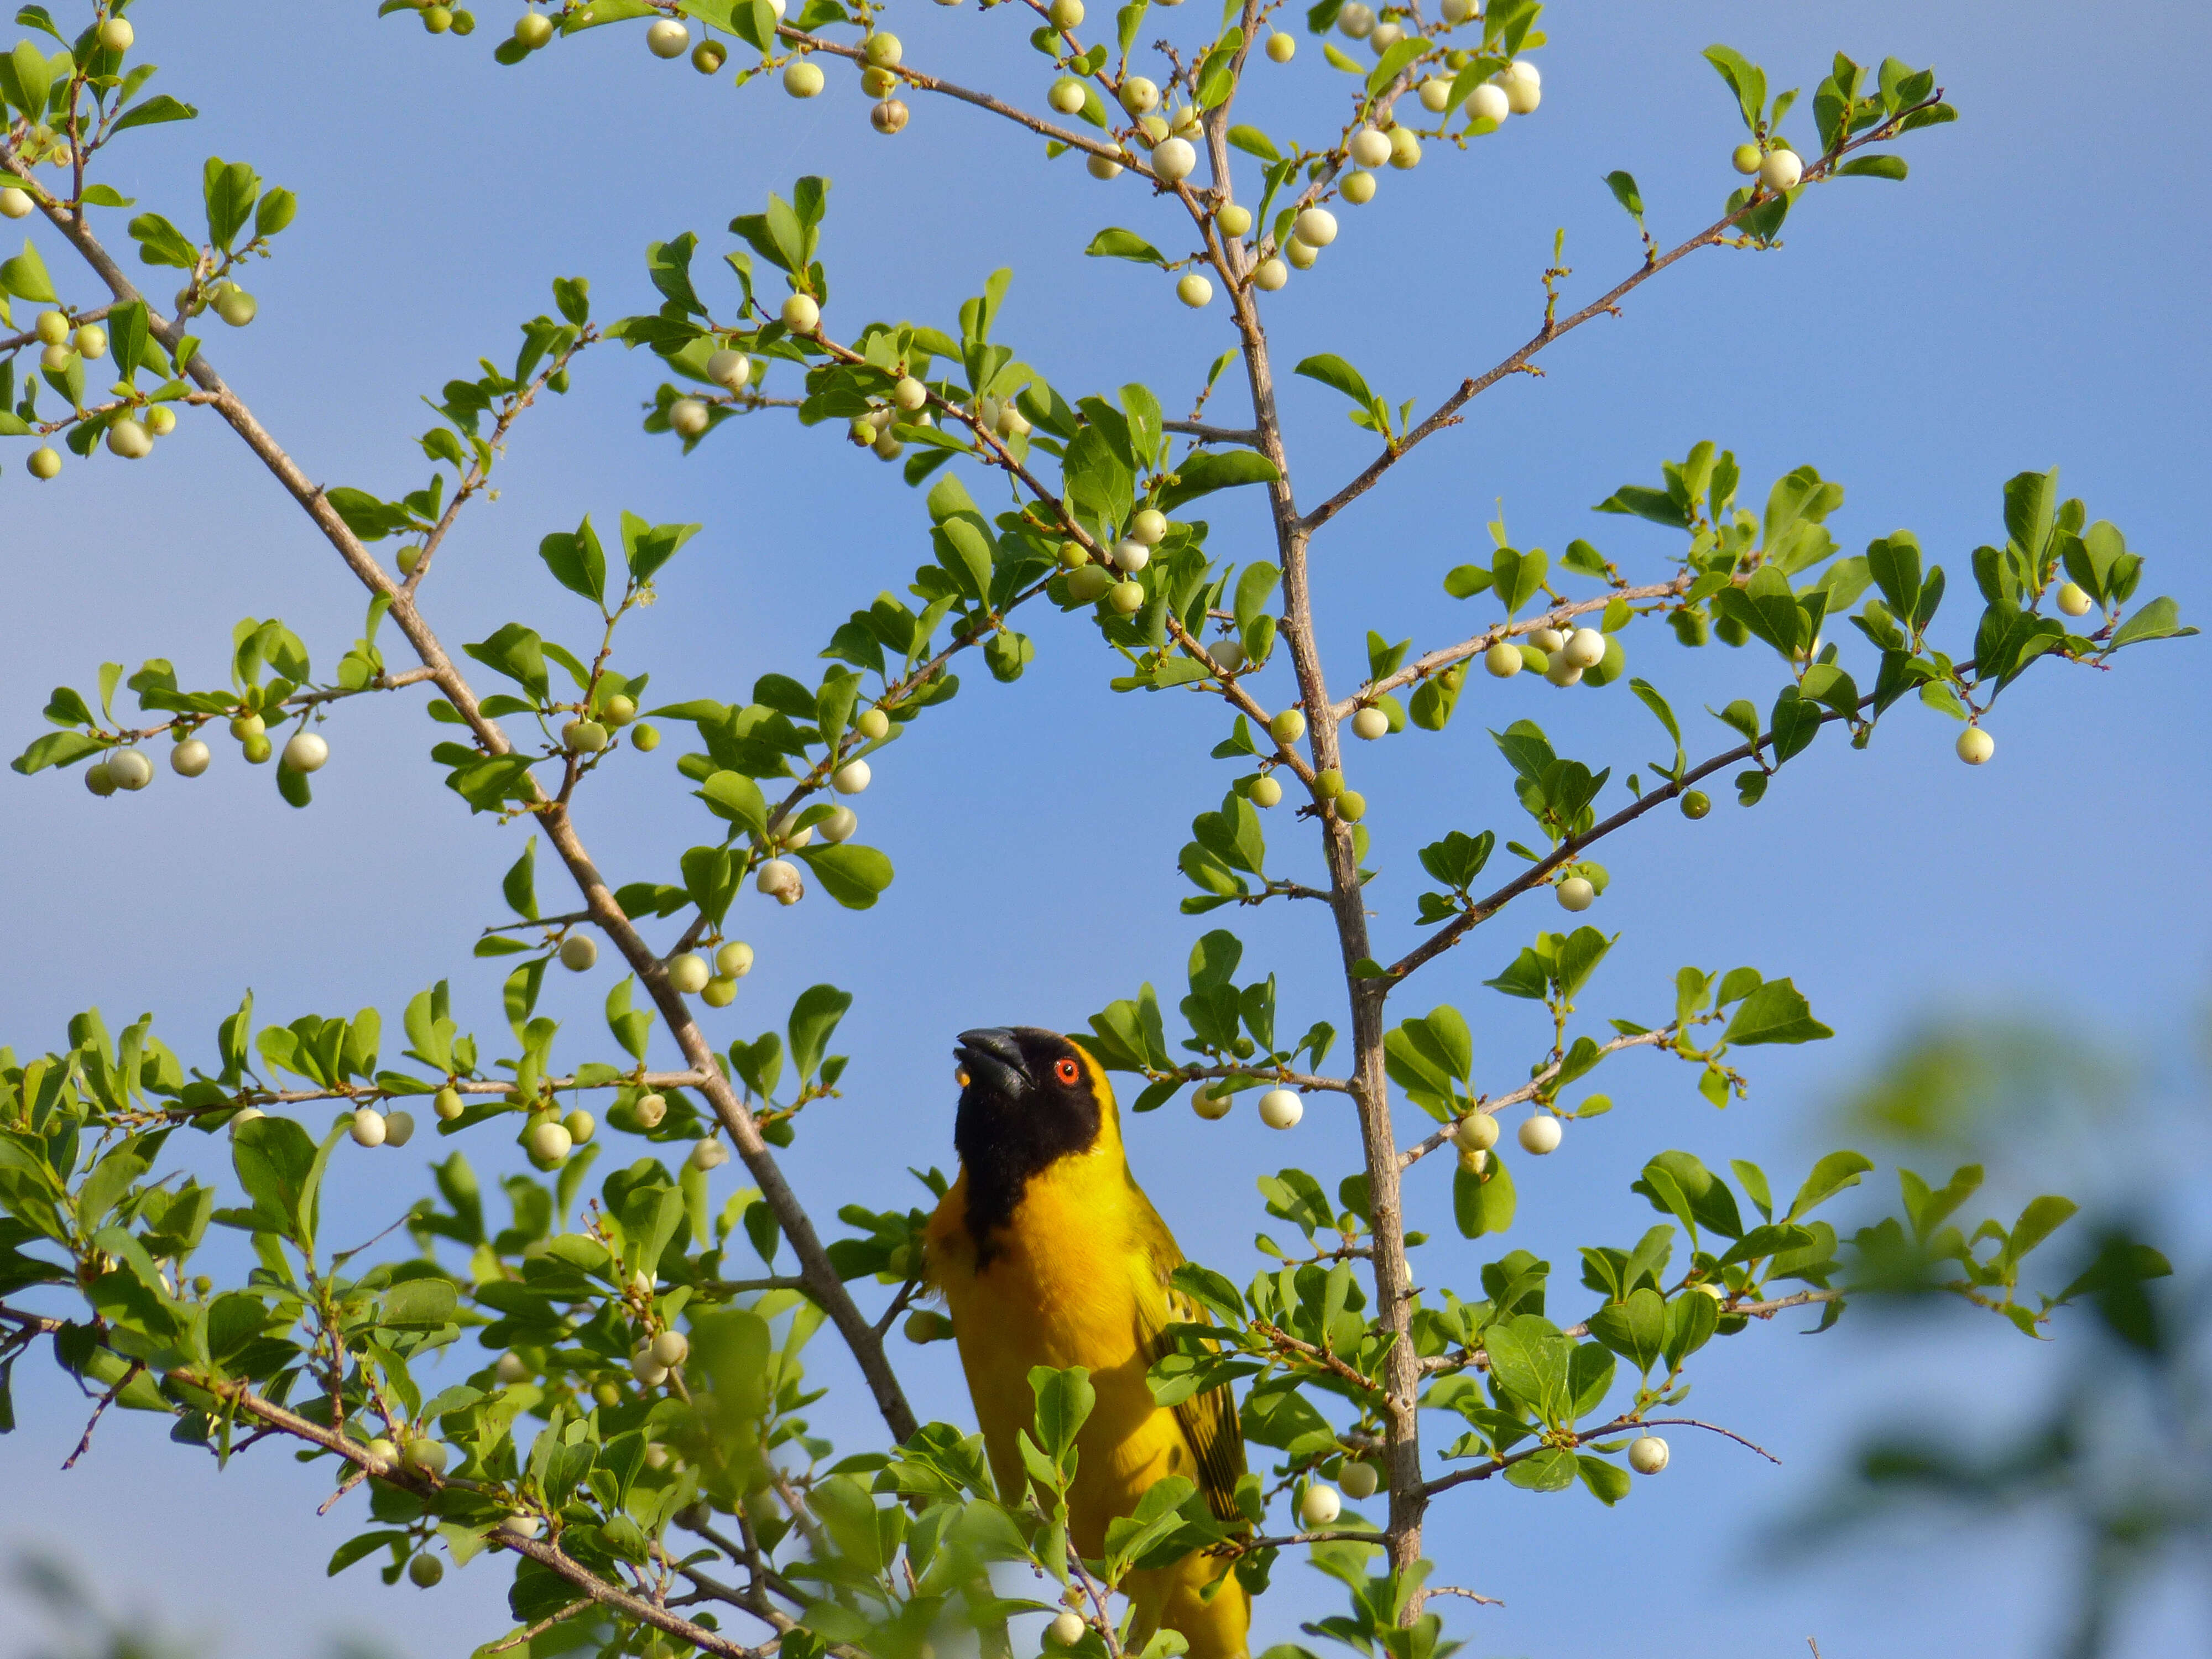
[(539, 1629), (1606, 304), (84, 1442)]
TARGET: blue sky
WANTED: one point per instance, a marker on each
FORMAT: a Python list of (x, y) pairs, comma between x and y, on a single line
[(2027, 300)]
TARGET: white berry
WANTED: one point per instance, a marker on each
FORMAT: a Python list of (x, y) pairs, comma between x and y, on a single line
[(1647, 1454), (1173, 159), (667, 38), (688, 417), (1370, 147), (1316, 226), (733, 369), (1065, 1630), (1575, 893), (709, 1154), (1194, 290), (851, 778), (1320, 1504), (1210, 1105), (1488, 102), (368, 1129), (1975, 745), (1540, 1135), (1270, 274), (687, 974), (1781, 170), (1279, 1108), (1139, 95), (129, 770), (800, 314), (190, 758), (1503, 659), (1585, 647), (550, 1142), (578, 952), (1370, 724), (305, 753)]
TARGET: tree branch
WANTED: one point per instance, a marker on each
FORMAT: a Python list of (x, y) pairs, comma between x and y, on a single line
[(1606, 304)]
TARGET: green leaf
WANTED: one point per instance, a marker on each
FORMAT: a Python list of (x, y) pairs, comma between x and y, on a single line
[(853, 875), (1776, 1012), (1252, 142), (1206, 471), (25, 276), (1623, 186), (814, 1018), (647, 548), (1607, 1482), (2043, 1217), (30, 79), (1064, 1403), (1872, 167), (1485, 1203), (577, 562), (710, 877), (1115, 243), (516, 652), (159, 108), (520, 885), (1333, 372), (1829, 1176), (2158, 619), (1636, 1328)]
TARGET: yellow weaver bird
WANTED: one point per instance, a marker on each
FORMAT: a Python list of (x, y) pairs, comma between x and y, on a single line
[(1048, 1253)]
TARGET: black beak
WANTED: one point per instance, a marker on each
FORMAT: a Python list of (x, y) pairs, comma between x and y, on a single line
[(993, 1060)]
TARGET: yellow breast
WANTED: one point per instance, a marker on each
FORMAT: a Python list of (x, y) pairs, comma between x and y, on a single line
[(1063, 1285)]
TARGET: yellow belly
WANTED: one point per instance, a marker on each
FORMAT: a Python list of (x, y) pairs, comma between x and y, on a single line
[(1061, 1289)]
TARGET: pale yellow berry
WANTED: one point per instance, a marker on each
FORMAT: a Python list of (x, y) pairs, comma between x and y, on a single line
[(1358, 188), (1488, 102), (1370, 147), (1540, 1134), (1233, 220), (1781, 170), (1195, 290), (802, 79), (1281, 47)]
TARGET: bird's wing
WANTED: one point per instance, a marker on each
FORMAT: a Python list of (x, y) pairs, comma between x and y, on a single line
[(1208, 1420)]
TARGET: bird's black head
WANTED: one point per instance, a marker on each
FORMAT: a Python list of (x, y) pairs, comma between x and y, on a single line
[(1028, 1098)]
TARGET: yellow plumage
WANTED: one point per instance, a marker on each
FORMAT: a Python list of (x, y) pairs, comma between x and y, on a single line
[(1076, 1274)]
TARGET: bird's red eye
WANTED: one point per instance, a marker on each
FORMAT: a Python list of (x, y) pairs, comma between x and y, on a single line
[(1068, 1073)]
